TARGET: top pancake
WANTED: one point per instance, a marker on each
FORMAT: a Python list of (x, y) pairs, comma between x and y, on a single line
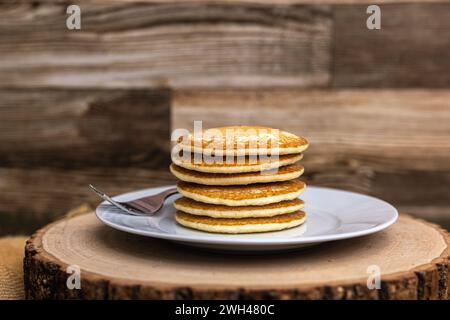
[(243, 140)]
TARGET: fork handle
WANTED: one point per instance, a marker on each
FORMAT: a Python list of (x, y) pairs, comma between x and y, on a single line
[(117, 204)]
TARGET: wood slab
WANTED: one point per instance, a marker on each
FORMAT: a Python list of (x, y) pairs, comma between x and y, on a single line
[(382, 128), (413, 257)]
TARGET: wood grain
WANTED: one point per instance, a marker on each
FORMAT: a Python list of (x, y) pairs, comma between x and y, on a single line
[(177, 44), (84, 128), (410, 50), (188, 44), (413, 257), (390, 129)]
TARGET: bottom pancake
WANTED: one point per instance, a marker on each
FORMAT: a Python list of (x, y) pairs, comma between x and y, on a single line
[(244, 225)]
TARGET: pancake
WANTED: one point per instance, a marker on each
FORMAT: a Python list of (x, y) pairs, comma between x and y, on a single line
[(225, 179), (243, 140), (221, 211), (247, 195), (245, 225), (245, 165)]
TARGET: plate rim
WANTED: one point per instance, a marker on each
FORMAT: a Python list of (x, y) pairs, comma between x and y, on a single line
[(255, 241)]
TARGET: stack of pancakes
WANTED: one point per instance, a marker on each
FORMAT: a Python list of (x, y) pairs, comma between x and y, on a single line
[(253, 188)]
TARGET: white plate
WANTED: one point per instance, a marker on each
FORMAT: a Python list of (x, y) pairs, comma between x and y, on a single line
[(331, 215)]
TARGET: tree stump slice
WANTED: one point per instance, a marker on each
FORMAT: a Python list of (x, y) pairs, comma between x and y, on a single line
[(413, 257)]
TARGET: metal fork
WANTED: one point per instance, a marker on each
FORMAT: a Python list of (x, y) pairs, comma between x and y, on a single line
[(138, 207)]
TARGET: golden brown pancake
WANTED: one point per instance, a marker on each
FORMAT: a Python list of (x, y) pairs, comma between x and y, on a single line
[(243, 140), (247, 195), (236, 165), (221, 211), (224, 179), (243, 225)]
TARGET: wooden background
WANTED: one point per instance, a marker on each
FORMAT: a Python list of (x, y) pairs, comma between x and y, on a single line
[(97, 105)]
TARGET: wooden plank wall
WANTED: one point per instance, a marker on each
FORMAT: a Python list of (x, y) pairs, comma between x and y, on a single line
[(97, 105), (410, 50), (197, 44), (181, 45)]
